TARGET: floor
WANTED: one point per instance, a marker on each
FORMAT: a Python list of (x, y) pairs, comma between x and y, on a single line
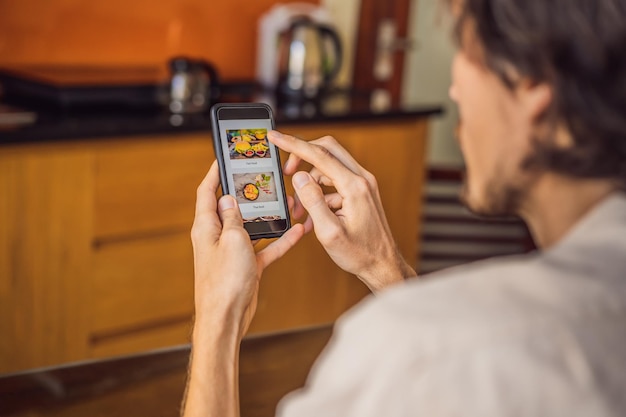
[(152, 384)]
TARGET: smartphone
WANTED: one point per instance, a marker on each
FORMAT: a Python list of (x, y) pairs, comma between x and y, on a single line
[(250, 168)]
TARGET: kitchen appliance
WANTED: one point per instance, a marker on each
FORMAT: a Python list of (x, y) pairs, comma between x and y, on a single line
[(193, 85), (299, 51), (306, 67)]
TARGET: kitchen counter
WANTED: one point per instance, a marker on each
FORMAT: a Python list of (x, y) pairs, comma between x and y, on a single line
[(95, 220), (333, 108)]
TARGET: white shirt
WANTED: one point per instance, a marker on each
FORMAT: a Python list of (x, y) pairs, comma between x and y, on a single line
[(536, 335)]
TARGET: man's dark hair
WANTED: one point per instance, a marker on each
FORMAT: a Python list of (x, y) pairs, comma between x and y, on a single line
[(579, 48)]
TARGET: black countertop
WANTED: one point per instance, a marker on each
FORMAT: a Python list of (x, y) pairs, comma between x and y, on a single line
[(106, 122)]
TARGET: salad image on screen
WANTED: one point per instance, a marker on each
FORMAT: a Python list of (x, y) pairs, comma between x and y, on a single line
[(256, 187), (248, 143)]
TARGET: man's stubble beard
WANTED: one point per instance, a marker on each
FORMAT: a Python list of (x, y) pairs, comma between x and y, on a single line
[(500, 198)]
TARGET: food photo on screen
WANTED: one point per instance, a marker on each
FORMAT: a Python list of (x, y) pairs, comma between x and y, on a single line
[(248, 143), (259, 187)]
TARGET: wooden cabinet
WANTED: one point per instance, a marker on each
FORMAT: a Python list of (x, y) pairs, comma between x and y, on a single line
[(95, 255)]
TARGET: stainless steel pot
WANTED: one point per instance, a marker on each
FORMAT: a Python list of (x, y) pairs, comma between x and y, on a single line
[(193, 85)]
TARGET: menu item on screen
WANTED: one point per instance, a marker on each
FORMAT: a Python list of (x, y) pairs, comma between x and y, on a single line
[(250, 168)]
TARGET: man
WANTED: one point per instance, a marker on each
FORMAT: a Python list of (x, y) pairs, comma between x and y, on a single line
[(541, 89)]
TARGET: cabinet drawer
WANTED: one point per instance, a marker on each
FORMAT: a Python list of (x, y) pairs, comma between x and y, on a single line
[(141, 284), (152, 338), (149, 185)]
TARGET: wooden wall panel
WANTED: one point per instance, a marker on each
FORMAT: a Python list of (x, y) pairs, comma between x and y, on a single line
[(120, 32)]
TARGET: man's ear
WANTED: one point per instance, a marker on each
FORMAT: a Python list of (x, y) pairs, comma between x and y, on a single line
[(535, 98)]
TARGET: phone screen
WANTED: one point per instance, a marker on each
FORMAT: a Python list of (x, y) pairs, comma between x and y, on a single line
[(250, 167)]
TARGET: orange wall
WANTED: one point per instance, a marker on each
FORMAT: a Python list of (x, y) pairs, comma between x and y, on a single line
[(119, 32)]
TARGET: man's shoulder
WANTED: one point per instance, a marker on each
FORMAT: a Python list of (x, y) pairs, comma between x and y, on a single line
[(582, 273), (460, 296), (511, 297)]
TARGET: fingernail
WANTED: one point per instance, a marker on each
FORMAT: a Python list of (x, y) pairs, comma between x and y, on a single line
[(226, 202), (300, 179), (276, 134)]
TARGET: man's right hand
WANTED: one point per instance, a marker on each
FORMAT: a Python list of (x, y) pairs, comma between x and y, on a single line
[(349, 223)]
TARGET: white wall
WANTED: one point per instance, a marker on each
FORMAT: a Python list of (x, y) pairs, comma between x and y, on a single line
[(426, 71), (345, 14), (427, 77)]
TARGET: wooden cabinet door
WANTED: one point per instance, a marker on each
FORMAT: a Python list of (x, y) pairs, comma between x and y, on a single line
[(381, 46), (142, 277), (46, 199)]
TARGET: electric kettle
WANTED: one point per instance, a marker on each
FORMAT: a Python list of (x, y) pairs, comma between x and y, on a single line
[(310, 57), (193, 85)]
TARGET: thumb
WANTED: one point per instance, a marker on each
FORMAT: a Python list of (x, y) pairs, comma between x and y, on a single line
[(229, 212), (312, 199)]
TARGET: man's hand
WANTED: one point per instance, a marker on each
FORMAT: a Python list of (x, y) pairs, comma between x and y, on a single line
[(227, 274), (350, 223), (227, 269)]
